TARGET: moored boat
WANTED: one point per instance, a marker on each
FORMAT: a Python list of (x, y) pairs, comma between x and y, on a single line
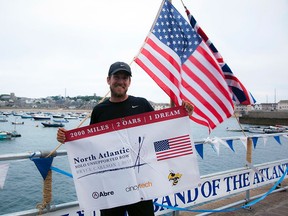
[(26, 116), (266, 130), (49, 124), (40, 117), (4, 135), (70, 117), (17, 123), (256, 130), (274, 129), (58, 115), (60, 120), (245, 129), (15, 134)]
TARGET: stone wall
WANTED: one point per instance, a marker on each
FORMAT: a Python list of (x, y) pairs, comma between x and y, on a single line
[(265, 118)]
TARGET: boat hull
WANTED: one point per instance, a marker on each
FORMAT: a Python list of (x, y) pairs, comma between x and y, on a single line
[(52, 124)]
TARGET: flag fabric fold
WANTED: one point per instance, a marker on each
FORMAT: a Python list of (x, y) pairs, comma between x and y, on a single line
[(181, 63), (240, 94)]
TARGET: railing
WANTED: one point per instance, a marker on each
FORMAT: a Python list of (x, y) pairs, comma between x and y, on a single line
[(212, 185)]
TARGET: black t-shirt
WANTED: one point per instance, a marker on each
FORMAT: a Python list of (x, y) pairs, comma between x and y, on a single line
[(108, 110)]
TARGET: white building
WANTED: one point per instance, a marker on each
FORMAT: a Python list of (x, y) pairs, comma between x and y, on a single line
[(282, 105), (159, 106)]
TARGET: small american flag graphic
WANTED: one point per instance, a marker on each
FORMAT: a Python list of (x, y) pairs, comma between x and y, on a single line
[(173, 147)]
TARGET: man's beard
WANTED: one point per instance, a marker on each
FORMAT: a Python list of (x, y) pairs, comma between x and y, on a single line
[(116, 94)]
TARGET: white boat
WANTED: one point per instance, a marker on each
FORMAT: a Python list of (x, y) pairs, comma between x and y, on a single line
[(245, 129), (60, 120), (58, 115), (256, 130), (70, 117), (26, 116), (274, 129), (266, 130), (40, 117), (17, 113)]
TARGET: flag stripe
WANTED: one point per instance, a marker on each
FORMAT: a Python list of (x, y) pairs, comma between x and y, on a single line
[(179, 154), (207, 76), (144, 61), (208, 85), (155, 60), (173, 77), (240, 94)]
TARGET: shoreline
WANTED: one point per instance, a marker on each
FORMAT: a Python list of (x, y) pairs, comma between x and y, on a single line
[(54, 110)]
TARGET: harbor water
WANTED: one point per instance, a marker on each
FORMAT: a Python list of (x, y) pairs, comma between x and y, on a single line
[(23, 186)]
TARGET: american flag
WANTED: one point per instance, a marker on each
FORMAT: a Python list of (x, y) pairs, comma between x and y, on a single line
[(175, 56), (240, 94), (173, 147)]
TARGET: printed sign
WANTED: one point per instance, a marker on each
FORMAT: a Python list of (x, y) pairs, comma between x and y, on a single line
[(135, 158)]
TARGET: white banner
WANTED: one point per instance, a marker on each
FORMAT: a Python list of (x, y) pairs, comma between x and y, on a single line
[(135, 158)]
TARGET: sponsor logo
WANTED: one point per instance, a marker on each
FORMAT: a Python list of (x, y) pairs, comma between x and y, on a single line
[(137, 187), (133, 107), (97, 195), (174, 177)]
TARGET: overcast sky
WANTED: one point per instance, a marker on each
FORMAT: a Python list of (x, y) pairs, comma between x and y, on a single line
[(58, 47)]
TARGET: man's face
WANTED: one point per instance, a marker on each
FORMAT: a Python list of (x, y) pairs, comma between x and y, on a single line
[(119, 84)]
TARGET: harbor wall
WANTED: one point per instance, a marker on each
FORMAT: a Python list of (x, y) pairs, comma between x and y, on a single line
[(265, 118)]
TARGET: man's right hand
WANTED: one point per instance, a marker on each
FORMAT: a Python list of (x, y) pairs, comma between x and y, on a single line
[(61, 135)]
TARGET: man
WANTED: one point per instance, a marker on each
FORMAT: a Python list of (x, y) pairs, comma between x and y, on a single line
[(119, 105)]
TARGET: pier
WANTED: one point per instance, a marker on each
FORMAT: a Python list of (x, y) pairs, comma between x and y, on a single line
[(275, 203), (227, 189)]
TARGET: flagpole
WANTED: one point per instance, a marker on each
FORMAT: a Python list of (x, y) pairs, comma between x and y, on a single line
[(148, 33), (172, 104), (59, 145)]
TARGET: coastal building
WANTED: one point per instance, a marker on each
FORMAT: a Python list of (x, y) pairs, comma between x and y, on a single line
[(257, 106), (268, 106), (159, 106), (242, 108), (282, 105)]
